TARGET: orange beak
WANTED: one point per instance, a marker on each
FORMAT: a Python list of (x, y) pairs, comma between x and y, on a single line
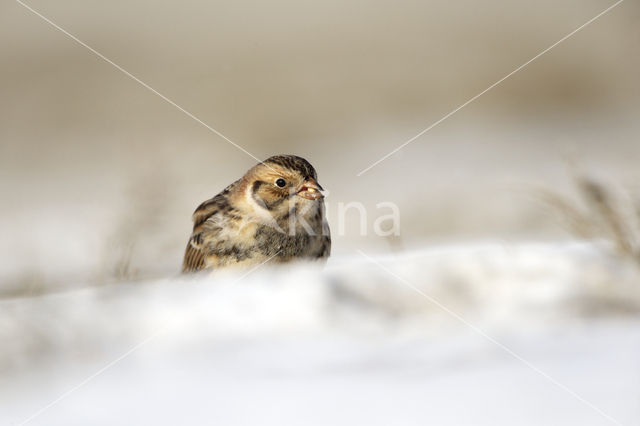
[(310, 190)]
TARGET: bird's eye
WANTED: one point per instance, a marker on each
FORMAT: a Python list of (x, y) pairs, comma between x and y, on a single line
[(281, 182)]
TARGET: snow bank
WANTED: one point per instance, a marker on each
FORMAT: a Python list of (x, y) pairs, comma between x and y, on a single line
[(412, 338)]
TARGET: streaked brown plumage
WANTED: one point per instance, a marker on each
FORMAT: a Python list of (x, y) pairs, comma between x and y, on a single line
[(274, 212)]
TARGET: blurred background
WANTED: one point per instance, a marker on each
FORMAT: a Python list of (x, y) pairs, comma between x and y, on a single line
[(95, 165), (99, 176)]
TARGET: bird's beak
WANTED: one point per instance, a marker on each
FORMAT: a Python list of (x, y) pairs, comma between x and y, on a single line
[(310, 190)]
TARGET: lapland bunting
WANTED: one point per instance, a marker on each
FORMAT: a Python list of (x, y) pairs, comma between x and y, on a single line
[(275, 212)]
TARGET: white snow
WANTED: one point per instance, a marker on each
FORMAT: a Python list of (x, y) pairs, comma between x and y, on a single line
[(488, 333)]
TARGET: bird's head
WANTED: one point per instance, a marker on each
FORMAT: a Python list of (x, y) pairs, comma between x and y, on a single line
[(280, 183)]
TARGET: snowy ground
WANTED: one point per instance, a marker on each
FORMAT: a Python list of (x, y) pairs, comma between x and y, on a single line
[(477, 334)]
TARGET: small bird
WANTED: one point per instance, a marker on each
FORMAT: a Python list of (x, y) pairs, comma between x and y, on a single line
[(275, 212)]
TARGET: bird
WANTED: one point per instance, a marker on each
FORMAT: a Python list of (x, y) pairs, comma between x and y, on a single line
[(274, 213)]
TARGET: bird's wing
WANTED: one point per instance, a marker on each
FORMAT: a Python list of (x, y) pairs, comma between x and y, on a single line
[(196, 251), (193, 257)]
